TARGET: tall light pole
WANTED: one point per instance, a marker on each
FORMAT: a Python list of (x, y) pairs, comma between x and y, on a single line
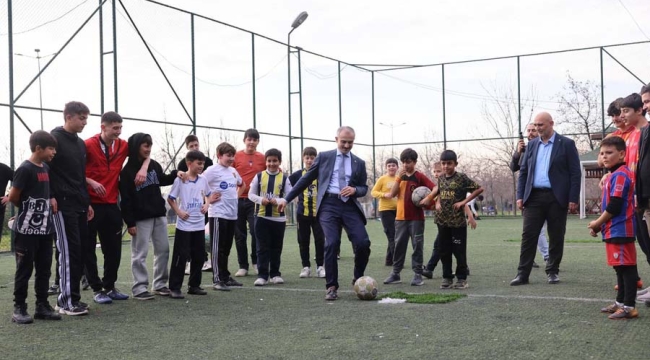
[(392, 127), (294, 25), (40, 88)]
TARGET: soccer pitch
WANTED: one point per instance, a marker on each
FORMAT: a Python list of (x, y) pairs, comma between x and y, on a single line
[(293, 321)]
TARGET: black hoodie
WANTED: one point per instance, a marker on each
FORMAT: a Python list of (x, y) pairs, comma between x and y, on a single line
[(68, 172), (144, 201)]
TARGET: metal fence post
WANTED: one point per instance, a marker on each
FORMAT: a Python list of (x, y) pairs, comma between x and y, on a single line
[(602, 93), (12, 142), (254, 89), (444, 113), (193, 76)]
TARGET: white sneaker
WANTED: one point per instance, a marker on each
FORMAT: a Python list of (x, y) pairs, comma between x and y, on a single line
[(255, 268), (305, 272), (277, 280), (207, 266), (643, 292), (320, 272), (260, 282), (187, 268), (241, 272)]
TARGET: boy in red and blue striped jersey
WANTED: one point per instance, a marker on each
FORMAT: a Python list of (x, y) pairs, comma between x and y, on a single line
[(617, 223)]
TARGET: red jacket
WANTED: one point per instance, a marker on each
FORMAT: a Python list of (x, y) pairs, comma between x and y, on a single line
[(105, 167)]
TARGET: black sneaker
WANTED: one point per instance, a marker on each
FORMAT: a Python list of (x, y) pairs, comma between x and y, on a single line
[(20, 315), (84, 283), (176, 294), (393, 278), (163, 291), (44, 311), (196, 291), (427, 273), (144, 296), (221, 286), (82, 304), (53, 290), (232, 282)]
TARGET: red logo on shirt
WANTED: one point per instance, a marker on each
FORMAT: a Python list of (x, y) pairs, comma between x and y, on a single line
[(43, 177)]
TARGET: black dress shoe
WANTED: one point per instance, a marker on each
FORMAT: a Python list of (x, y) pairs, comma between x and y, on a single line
[(553, 278), (519, 280)]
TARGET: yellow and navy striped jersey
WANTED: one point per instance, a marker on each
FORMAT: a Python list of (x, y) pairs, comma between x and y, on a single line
[(271, 187), (306, 199)]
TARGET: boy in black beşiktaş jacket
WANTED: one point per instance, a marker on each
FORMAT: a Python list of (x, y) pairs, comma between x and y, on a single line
[(144, 212)]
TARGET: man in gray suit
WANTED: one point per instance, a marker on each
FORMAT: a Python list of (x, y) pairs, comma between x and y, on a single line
[(549, 184), (341, 180)]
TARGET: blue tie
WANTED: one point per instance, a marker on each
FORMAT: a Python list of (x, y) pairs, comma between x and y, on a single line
[(342, 182)]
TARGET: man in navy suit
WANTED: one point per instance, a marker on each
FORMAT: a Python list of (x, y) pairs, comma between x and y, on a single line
[(341, 180), (549, 183)]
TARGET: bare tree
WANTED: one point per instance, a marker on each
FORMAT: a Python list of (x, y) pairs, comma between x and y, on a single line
[(429, 153), (212, 137), (501, 115), (578, 109), (171, 143)]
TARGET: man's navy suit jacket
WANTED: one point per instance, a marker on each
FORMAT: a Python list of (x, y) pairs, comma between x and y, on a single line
[(322, 169), (563, 171)]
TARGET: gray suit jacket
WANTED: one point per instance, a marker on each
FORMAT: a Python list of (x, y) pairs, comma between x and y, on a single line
[(322, 169)]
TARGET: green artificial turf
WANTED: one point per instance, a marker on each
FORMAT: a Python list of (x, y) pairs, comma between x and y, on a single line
[(293, 321)]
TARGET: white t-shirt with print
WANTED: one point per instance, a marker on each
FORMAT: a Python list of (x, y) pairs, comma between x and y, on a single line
[(189, 196), (223, 180)]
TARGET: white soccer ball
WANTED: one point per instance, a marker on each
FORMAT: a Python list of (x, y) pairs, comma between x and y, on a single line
[(366, 288), (419, 194)]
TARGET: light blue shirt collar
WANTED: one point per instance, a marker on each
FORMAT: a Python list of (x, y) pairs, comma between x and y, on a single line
[(551, 140)]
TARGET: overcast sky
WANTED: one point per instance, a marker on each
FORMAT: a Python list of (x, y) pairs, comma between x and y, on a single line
[(377, 32)]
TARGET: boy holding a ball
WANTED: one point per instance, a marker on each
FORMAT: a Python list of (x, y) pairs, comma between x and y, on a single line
[(409, 221)]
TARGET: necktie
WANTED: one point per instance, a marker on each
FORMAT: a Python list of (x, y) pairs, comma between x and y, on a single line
[(342, 182)]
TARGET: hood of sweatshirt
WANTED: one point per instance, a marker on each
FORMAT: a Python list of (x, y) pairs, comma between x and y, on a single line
[(59, 130), (135, 141)]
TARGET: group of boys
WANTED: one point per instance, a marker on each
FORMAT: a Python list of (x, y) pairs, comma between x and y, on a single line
[(403, 219), (69, 189), (623, 153)]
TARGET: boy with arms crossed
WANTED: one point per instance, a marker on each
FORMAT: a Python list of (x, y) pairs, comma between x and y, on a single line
[(617, 224), (33, 228), (387, 206)]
